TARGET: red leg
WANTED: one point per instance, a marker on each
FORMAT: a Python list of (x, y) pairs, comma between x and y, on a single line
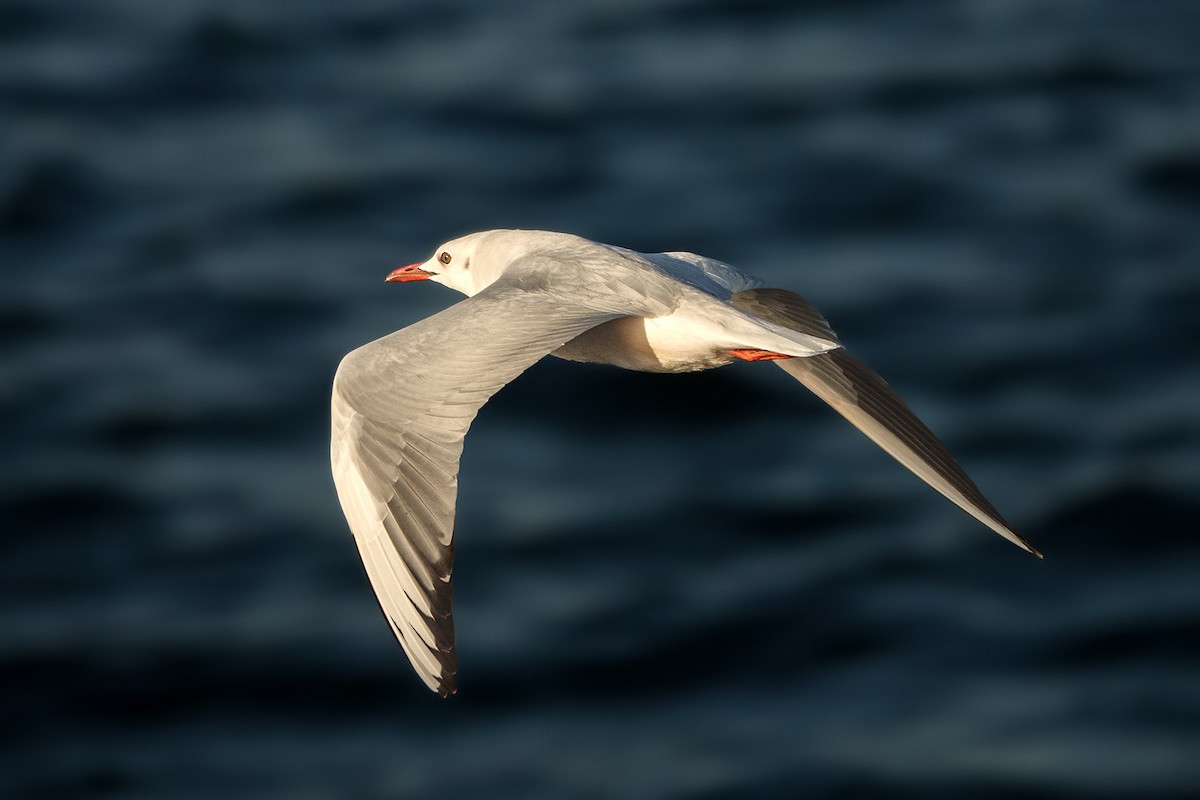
[(757, 355)]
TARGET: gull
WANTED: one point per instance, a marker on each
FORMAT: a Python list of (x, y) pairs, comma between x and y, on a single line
[(402, 404)]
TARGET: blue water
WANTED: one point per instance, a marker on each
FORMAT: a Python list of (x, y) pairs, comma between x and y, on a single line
[(994, 203)]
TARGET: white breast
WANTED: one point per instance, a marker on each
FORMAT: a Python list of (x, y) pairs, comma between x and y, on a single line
[(671, 343)]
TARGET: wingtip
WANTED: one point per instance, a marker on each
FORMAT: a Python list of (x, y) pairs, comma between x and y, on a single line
[(1020, 542), (446, 685), (1002, 528)]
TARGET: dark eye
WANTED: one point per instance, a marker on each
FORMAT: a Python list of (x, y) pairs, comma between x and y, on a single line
[(444, 257)]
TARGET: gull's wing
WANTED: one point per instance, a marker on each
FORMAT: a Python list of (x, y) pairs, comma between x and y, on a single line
[(401, 407), (863, 398)]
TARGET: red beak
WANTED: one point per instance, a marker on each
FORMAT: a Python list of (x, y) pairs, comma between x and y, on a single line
[(412, 272)]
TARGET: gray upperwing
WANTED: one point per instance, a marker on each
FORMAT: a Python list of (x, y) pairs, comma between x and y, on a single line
[(864, 398), (400, 409)]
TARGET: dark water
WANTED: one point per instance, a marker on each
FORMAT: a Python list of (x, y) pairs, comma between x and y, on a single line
[(997, 204)]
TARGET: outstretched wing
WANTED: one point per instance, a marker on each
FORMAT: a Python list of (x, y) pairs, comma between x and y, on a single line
[(863, 398), (400, 409)]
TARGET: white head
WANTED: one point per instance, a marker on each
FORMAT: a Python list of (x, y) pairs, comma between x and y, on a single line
[(471, 263)]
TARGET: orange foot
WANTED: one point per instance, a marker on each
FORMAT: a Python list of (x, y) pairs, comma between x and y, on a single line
[(757, 355)]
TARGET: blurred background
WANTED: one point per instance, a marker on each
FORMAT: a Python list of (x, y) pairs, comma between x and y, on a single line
[(996, 204)]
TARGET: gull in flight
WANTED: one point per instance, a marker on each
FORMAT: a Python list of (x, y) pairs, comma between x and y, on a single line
[(402, 404)]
